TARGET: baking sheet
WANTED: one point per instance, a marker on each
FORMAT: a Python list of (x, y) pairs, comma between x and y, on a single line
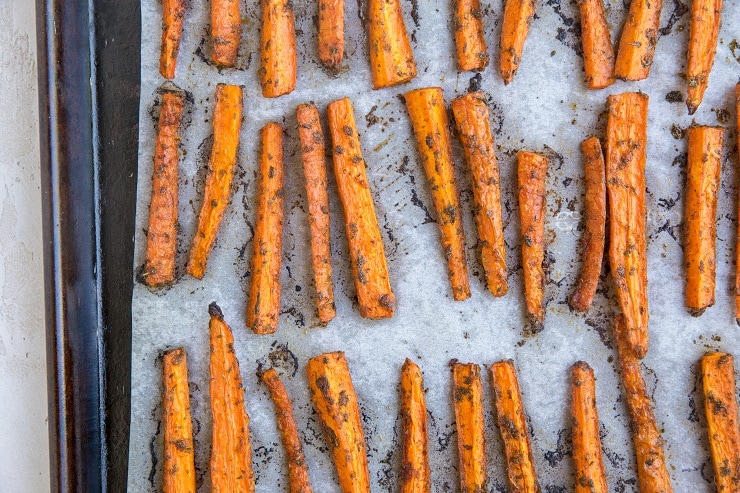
[(546, 108)]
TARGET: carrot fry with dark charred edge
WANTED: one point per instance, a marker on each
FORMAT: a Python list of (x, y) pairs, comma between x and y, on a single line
[(706, 17), (415, 474), (428, 116), (298, 480), (720, 406), (518, 16), (366, 252), (595, 232), (639, 37), (625, 184), (702, 185), (227, 118), (737, 239), (333, 396), (588, 461), (278, 55), (598, 51), (173, 15), (263, 308), (471, 116), (161, 244), (331, 34), (226, 31), (472, 53), (179, 454), (512, 423), (231, 449), (391, 58), (467, 393)]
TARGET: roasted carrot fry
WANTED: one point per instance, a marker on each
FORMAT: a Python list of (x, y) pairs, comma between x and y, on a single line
[(173, 15), (512, 422), (298, 480), (391, 58), (598, 52), (226, 31), (366, 251), (625, 183), (595, 233), (588, 461), (471, 116), (179, 454), (720, 406), (331, 34), (532, 171), (702, 185), (472, 53), (737, 239), (227, 118), (518, 16), (161, 244), (638, 40), (467, 393), (706, 17), (278, 56), (428, 115), (415, 475), (334, 398), (231, 449)]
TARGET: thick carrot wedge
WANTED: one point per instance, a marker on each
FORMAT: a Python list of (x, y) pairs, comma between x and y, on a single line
[(598, 52), (391, 58), (334, 398), (231, 449), (366, 251), (625, 183), (331, 34), (512, 423), (415, 474), (472, 53), (226, 31), (706, 17), (471, 116), (179, 455), (161, 240), (467, 393), (637, 43), (227, 119), (518, 16), (737, 239), (278, 55), (173, 15), (428, 116), (588, 460)]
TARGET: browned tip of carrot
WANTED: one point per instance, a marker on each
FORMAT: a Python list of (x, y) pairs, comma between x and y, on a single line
[(415, 472), (178, 474), (331, 34), (598, 52), (467, 393), (173, 15), (472, 53), (637, 42), (278, 55), (518, 16), (588, 461), (703, 34), (391, 57), (226, 31)]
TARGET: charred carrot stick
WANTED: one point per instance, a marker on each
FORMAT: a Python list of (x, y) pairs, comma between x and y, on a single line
[(518, 16), (467, 392), (173, 15), (637, 43), (625, 184), (471, 116), (227, 118), (428, 116), (598, 52), (702, 185), (737, 245), (472, 53), (415, 474), (595, 233), (720, 406), (512, 423), (226, 31), (231, 449), (331, 34), (588, 461), (706, 17), (391, 58), (333, 396), (278, 55), (179, 454), (161, 243), (298, 480), (366, 252)]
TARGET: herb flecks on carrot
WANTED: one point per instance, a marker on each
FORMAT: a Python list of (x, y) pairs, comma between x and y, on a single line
[(178, 472), (226, 31), (391, 57), (472, 53), (737, 239), (518, 16), (598, 51), (331, 34), (588, 461), (639, 37), (173, 15), (467, 394), (415, 472), (278, 55), (706, 17)]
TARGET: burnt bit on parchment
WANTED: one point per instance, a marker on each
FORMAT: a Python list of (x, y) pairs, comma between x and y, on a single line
[(674, 97), (569, 34), (153, 446), (679, 10), (281, 358), (563, 448)]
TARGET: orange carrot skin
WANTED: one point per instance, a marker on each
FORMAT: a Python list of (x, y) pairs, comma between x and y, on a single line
[(313, 154), (173, 15), (415, 473), (706, 18), (472, 53), (331, 34), (467, 394), (518, 16), (391, 57), (179, 455), (161, 245), (588, 461), (278, 55), (637, 43), (471, 116), (428, 116), (226, 31), (737, 246), (598, 52)]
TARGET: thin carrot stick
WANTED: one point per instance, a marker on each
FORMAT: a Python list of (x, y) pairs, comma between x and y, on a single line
[(625, 183), (588, 460), (161, 244), (706, 17), (227, 118), (226, 31), (518, 16), (471, 116), (179, 454), (366, 251), (334, 398), (737, 239), (278, 55), (391, 58), (331, 34), (415, 473), (467, 392), (472, 53), (428, 116), (173, 15), (598, 52), (639, 37)]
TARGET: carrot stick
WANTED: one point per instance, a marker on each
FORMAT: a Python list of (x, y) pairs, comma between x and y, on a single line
[(472, 53), (595, 233), (227, 118), (366, 252), (638, 40), (226, 31), (598, 52), (179, 454), (278, 56), (706, 17), (415, 474), (737, 240), (532, 171), (231, 449), (161, 245), (471, 116), (334, 398), (467, 392), (512, 422), (518, 16), (331, 34), (298, 480), (588, 461), (702, 185), (391, 58), (428, 115), (625, 183), (720, 406), (173, 15)]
